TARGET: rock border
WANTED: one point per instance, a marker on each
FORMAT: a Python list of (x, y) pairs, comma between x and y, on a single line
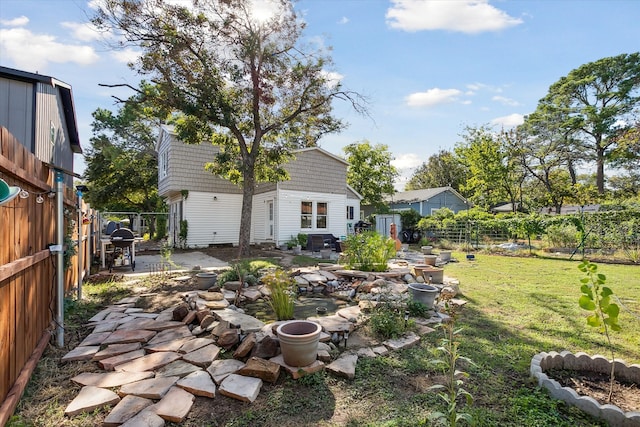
[(612, 414)]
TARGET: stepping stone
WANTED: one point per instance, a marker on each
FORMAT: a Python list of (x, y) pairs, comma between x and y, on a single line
[(134, 310), (171, 345), (251, 294), (245, 346), (195, 344), (314, 277), (179, 368), (128, 300), (203, 356), (260, 368), (217, 305), (144, 315), (164, 317), (334, 323), (152, 325), (381, 350), (211, 296), (90, 398), (150, 362), (95, 338), (220, 369), (128, 407), (115, 350), (247, 323), (241, 388), (344, 366), (110, 363), (99, 316), (146, 418), (106, 327), (407, 341), (297, 372), (175, 405), (152, 388), (116, 315), (110, 379), (172, 334), (198, 383), (366, 352), (127, 336), (349, 313), (80, 353)]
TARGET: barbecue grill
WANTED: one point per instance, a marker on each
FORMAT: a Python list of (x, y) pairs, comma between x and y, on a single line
[(122, 242)]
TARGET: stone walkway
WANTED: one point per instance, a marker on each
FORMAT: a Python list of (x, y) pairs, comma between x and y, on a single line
[(159, 362)]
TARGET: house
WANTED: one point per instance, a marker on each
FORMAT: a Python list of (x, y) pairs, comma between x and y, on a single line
[(38, 110), (427, 201), (316, 199)]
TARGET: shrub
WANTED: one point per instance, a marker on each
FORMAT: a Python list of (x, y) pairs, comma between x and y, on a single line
[(369, 251), (386, 321)]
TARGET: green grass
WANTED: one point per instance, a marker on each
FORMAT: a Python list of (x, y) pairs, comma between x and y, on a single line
[(516, 308)]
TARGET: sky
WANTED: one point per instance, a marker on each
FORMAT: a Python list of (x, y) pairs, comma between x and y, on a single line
[(429, 69)]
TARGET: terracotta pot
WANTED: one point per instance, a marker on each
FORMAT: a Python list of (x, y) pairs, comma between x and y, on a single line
[(425, 294), (426, 250), (445, 256), (430, 259), (430, 273), (299, 342), (206, 280)]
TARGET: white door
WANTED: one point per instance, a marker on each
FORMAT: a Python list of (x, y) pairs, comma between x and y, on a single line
[(270, 220)]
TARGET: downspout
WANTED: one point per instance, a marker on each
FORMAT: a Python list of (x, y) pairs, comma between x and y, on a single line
[(60, 258), (80, 250)]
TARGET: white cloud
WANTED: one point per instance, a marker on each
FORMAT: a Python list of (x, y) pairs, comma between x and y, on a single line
[(32, 51), (125, 56), (506, 101), (468, 16), (83, 31), (406, 165), (343, 20), (512, 120), (432, 97), (20, 21), (332, 77)]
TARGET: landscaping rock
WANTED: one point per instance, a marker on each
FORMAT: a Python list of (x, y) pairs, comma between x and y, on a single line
[(198, 383), (175, 405), (110, 363), (115, 350), (152, 388), (245, 346), (90, 398), (203, 356), (128, 407), (241, 388), (344, 366), (110, 379), (220, 369), (260, 368), (178, 368), (150, 362)]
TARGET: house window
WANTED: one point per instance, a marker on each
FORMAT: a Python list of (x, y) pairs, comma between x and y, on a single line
[(350, 212), (321, 215), (163, 167), (306, 218)]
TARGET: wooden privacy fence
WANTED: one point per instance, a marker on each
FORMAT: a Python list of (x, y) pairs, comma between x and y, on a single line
[(27, 268)]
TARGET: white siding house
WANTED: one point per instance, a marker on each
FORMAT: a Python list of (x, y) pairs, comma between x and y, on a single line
[(316, 199)]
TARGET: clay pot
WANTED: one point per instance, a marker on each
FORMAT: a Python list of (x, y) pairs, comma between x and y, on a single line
[(430, 259), (206, 280), (430, 273), (445, 256), (426, 250), (299, 342), (425, 294)]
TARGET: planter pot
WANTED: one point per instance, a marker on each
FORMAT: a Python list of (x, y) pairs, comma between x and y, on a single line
[(430, 273), (299, 342), (612, 414), (325, 253), (430, 259), (206, 280), (297, 250), (426, 250), (283, 247), (425, 294), (445, 256)]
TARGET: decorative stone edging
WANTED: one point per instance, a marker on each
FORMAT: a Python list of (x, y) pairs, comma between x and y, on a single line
[(580, 361)]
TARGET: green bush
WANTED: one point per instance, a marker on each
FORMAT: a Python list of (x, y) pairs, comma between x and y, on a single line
[(248, 269), (369, 251), (386, 321)]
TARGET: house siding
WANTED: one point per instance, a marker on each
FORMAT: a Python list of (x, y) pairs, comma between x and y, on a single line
[(445, 199), (329, 175), (212, 222), (259, 220), (49, 113), (16, 110)]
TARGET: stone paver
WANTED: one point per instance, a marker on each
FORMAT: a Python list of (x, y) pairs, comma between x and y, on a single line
[(80, 353), (90, 398), (217, 305), (333, 323), (241, 388), (247, 323), (171, 345), (106, 327), (203, 356), (150, 362), (110, 379), (146, 418), (128, 407), (406, 341), (220, 369), (110, 363), (297, 372), (128, 336), (152, 388), (171, 335), (95, 338), (116, 350), (260, 368), (178, 368), (175, 405), (344, 366), (195, 344), (198, 383), (151, 324)]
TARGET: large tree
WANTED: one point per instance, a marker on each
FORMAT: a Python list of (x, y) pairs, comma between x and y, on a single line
[(595, 102), (440, 170), (243, 82), (370, 171), (122, 165)]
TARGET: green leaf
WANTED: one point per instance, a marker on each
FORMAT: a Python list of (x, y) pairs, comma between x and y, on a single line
[(612, 310), (586, 303), (436, 387), (602, 278), (594, 320), (606, 291), (585, 280)]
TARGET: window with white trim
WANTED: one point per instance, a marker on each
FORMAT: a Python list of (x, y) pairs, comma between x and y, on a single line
[(306, 215), (314, 215), (350, 211), (163, 167), (321, 214)]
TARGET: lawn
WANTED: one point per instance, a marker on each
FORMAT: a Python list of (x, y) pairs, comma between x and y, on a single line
[(516, 308)]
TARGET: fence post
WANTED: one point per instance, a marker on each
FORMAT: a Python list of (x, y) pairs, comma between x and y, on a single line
[(60, 258)]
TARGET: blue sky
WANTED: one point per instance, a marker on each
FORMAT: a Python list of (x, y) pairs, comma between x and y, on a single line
[(429, 68)]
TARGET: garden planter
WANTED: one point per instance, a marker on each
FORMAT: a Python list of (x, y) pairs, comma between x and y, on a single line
[(325, 253), (425, 294), (430, 273), (297, 250), (614, 416), (299, 342), (426, 250), (430, 259), (206, 280), (445, 256)]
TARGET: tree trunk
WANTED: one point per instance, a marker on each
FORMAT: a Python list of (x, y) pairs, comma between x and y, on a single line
[(600, 170), (248, 189)]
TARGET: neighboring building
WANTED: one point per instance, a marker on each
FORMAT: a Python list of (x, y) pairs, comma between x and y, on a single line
[(38, 111), (316, 199), (570, 209), (428, 200)]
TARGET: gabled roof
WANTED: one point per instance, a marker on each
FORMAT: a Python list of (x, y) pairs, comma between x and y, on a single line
[(413, 196), (325, 152), (65, 94)]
